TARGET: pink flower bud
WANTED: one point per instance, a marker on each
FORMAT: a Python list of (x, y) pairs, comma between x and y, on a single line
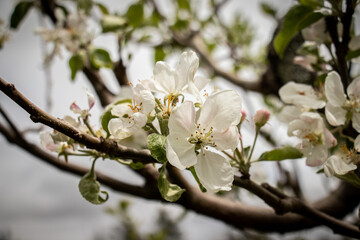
[(243, 116), (261, 117)]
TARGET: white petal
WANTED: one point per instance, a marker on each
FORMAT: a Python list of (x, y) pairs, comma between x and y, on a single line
[(334, 89), (200, 82), (300, 94), (354, 43), (121, 110), (353, 89), (335, 165), (47, 142), (289, 113), (356, 121), (329, 139), (165, 78), (228, 139), (139, 121), (144, 98), (91, 99), (315, 155), (182, 119), (336, 116), (357, 143), (221, 110), (193, 90), (180, 152), (214, 171), (117, 129), (186, 68)]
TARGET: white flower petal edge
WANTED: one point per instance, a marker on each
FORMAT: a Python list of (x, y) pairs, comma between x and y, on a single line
[(300, 94), (353, 89), (336, 116), (221, 110), (357, 143), (334, 89), (335, 165), (179, 151), (214, 171)]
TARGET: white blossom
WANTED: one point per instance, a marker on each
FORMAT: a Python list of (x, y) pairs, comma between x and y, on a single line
[(316, 138), (189, 139), (130, 118), (173, 82), (339, 106), (301, 95)]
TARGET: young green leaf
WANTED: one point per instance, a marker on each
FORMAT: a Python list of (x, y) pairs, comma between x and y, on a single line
[(90, 188), (159, 54), (279, 154), (20, 11), (100, 58), (157, 147), (351, 178), (170, 192), (135, 14), (110, 23), (76, 64), (312, 3), (297, 18), (102, 8), (85, 5)]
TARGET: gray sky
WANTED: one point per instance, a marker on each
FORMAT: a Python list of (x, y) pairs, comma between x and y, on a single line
[(39, 202)]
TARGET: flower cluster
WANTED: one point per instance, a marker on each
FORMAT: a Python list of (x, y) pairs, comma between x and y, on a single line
[(306, 122), (195, 132)]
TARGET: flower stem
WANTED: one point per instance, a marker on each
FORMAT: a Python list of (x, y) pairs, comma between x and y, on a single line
[(253, 146), (89, 127), (150, 125)]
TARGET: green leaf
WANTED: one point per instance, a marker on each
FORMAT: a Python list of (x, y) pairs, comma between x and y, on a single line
[(76, 64), (135, 14), (102, 8), (312, 3), (184, 4), (279, 154), (100, 58), (111, 23), (20, 11), (157, 146), (107, 116), (297, 18), (353, 54), (351, 178), (159, 54), (268, 9), (85, 5), (170, 192), (246, 151), (90, 188)]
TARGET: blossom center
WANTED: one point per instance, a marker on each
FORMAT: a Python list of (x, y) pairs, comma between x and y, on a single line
[(201, 137)]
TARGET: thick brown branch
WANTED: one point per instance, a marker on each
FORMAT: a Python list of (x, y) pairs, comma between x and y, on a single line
[(107, 146), (283, 204)]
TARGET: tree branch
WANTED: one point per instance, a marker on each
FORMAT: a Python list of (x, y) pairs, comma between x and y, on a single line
[(283, 204), (107, 146)]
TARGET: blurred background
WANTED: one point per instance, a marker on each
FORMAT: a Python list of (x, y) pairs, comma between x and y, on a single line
[(40, 202)]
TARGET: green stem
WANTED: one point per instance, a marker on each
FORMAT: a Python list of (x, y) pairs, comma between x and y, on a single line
[(89, 127), (253, 146), (150, 125)]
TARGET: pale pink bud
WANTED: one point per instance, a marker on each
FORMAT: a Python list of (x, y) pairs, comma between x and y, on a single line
[(243, 116), (261, 117)]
